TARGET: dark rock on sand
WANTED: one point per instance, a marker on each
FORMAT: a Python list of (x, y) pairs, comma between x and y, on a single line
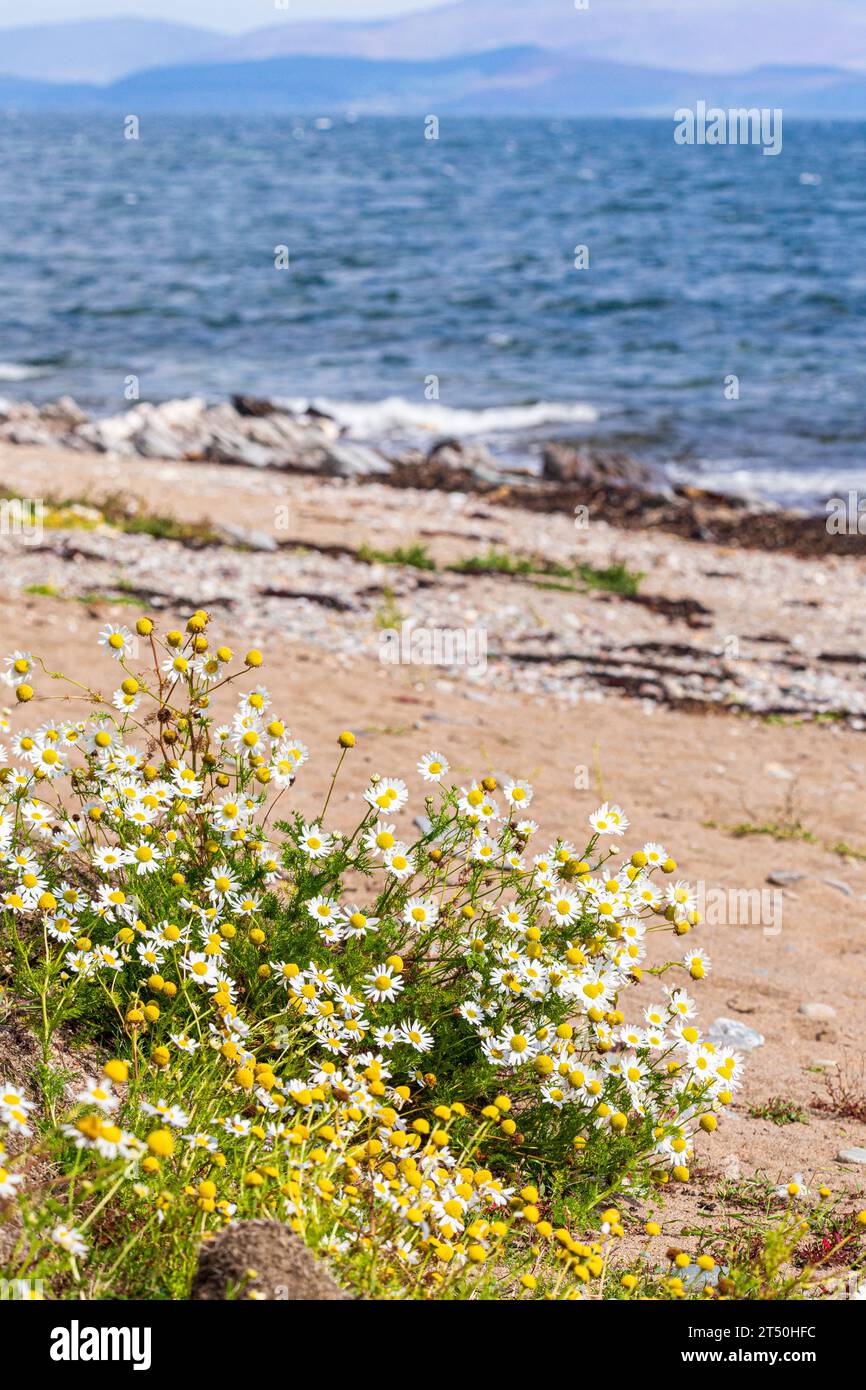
[(567, 463), (254, 406), (453, 453), (266, 1258)]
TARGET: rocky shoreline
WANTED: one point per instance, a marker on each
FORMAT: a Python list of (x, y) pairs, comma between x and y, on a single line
[(573, 479), (334, 564)]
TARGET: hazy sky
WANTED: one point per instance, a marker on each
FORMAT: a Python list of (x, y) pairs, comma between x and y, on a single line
[(231, 15)]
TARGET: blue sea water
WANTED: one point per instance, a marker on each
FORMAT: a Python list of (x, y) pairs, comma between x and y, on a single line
[(454, 258)]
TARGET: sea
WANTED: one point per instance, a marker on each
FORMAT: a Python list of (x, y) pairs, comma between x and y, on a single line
[(699, 308)]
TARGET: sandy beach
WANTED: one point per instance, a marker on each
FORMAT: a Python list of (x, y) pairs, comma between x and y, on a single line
[(721, 704)]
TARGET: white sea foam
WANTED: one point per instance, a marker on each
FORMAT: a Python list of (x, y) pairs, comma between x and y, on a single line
[(805, 491), (17, 371), (395, 415)]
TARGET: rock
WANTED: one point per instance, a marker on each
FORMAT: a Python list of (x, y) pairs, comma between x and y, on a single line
[(266, 1258), (782, 878), (818, 1013), (112, 435), (250, 540), (343, 460), (157, 441), (696, 1279), (851, 1156), (221, 417), (453, 453), (253, 406), (65, 411), (17, 410), (224, 446), (777, 770), (566, 463), (182, 414), (281, 432), (839, 886), (25, 433), (728, 1032)]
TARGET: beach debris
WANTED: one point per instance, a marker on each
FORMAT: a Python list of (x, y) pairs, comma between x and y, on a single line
[(729, 1032)]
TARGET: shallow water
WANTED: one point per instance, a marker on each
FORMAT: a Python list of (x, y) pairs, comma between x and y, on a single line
[(454, 259)]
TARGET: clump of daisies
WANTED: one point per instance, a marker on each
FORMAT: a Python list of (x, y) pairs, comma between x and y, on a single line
[(366, 1033)]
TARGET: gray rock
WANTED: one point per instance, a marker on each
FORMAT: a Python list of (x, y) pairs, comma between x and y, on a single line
[(839, 886), (728, 1032), (565, 463), (251, 540), (782, 878), (24, 433), (696, 1279), (818, 1013), (65, 411), (344, 460), (156, 441), (227, 447), (220, 417), (112, 435), (851, 1156), (17, 410), (183, 414), (452, 453), (281, 432)]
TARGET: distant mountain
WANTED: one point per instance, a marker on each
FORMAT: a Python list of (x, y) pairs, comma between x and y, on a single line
[(507, 81), (306, 83), (685, 35), (702, 35), (100, 50)]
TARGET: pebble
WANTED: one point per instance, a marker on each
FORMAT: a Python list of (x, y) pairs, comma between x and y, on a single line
[(784, 877), (728, 1032), (851, 1156), (839, 886), (818, 1013), (777, 770)]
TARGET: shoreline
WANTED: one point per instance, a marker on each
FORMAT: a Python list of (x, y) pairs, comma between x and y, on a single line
[(572, 477), (570, 614)]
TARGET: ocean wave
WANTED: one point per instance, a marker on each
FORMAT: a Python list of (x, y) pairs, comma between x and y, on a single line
[(794, 490), (395, 415), (18, 371)]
